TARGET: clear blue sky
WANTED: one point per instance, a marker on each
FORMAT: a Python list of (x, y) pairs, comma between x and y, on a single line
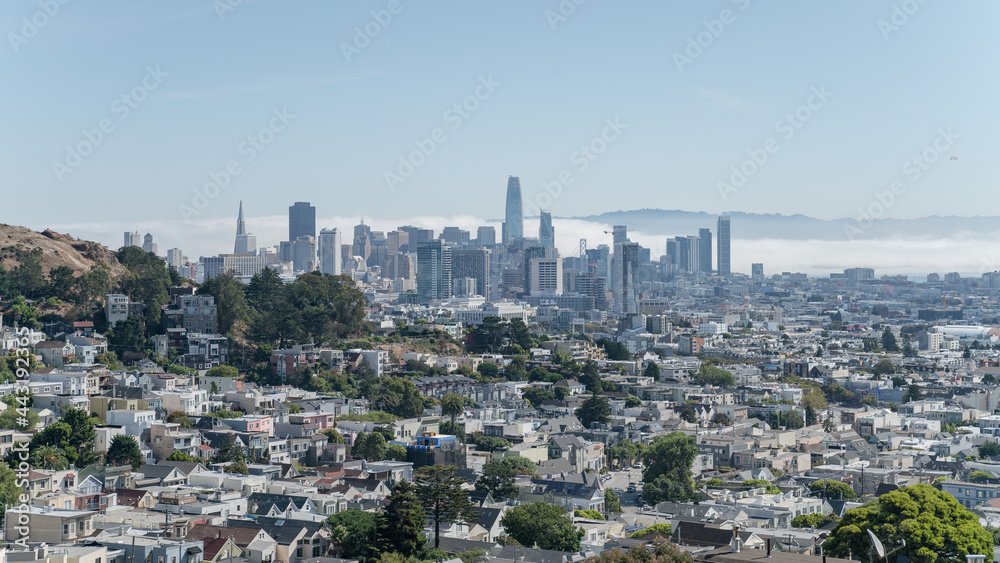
[(557, 87)]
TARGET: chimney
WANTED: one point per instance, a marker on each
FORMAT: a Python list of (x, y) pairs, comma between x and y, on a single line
[(768, 547)]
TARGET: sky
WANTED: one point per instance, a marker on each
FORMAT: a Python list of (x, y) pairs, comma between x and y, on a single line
[(163, 116)]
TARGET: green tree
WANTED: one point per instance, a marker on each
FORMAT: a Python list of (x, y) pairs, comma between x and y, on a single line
[(793, 420), (831, 489), (935, 526), (358, 538), (652, 370), (889, 343), (769, 488), (542, 525), (885, 367), (181, 456), (537, 395), (659, 552), (180, 417), (443, 497), (124, 450), (11, 419), (452, 405), (631, 402), (486, 443), (498, 480), (61, 282), (400, 526), (489, 370), (829, 425), (83, 438), (709, 374), (397, 396), (128, 335), (49, 457), (230, 449), (222, 371), (10, 493), (612, 503), (668, 468), (913, 393), (989, 449), (813, 520), (662, 529), (238, 466), (588, 513), (232, 311), (595, 408), (395, 452)]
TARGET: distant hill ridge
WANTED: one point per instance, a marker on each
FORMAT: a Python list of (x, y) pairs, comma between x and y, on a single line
[(57, 250), (776, 226)]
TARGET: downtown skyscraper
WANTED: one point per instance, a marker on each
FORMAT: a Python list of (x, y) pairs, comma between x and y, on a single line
[(546, 232), (433, 271), (513, 224), (245, 242), (723, 246), (301, 220), (330, 252)]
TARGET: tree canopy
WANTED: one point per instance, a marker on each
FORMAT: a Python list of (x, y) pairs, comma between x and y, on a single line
[(935, 526), (544, 525), (668, 468)]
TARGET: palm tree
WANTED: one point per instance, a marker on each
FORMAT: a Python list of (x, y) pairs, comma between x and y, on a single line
[(50, 457), (452, 405)]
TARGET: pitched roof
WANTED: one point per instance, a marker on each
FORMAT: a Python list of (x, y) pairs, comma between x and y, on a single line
[(241, 536)]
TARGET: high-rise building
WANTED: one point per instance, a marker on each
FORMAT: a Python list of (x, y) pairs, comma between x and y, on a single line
[(148, 245), (486, 237), (473, 264), (245, 242), (600, 258), (620, 233), (513, 225), (397, 241), (329, 251), (175, 259), (303, 251), (694, 254), (546, 276), (705, 251), (433, 271), (132, 239), (301, 220), (626, 266), (417, 235), (455, 235), (528, 254), (757, 272), (723, 246), (546, 232)]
